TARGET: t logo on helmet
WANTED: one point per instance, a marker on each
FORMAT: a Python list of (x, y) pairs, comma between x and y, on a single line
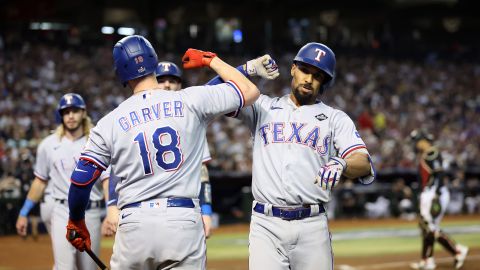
[(69, 99), (320, 54), (166, 67)]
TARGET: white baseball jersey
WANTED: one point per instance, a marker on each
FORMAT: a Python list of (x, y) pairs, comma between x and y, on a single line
[(291, 144), (206, 152), (154, 140), (56, 160)]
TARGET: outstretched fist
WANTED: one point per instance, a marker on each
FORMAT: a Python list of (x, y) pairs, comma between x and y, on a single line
[(263, 66), (194, 58)]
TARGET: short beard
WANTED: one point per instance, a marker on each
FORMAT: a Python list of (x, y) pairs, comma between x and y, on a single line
[(72, 130), (303, 99)]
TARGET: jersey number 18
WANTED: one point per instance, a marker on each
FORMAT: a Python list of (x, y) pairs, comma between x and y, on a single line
[(162, 150)]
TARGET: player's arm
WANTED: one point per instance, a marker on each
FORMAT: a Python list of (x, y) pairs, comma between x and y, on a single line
[(109, 225), (33, 197), (105, 184), (357, 165), (82, 180), (195, 58), (206, 200)]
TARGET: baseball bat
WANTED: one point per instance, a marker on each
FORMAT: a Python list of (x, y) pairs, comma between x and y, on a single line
[(72, 234)]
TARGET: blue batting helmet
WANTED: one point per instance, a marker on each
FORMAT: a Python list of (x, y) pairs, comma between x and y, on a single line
[(320, 56), (67, 101), (168, 69), (134, 57)]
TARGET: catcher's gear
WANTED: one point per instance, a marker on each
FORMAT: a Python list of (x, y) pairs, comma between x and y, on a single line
[(78, 235), (168, 69), (194, 58), (320, 56), (419, 134), (329, 175), (263, 66), (426, 226), (134, 57), (436, 207), (70, 100)]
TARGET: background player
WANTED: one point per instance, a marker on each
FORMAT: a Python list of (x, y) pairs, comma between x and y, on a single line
[(56, 158), (289, 227), (154, 142), (434, 200), (169, 77)]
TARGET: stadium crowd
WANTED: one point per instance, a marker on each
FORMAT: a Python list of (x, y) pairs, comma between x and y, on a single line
[(386, 97)]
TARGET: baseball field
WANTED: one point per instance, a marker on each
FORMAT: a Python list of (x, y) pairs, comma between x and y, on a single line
[(389, 244)]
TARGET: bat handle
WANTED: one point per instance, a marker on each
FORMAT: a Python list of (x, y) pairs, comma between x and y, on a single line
[(72, 234), (96, 259)]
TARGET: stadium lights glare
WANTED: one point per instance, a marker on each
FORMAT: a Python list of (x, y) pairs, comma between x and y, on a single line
[(48, 26), (125, 31), (237, 36), (107, 30)]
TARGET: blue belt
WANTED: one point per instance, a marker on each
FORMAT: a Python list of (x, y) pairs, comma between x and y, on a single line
[(171, 202), (288, 213)]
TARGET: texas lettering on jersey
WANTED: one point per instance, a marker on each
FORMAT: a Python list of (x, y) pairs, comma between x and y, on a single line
[(294, 132)]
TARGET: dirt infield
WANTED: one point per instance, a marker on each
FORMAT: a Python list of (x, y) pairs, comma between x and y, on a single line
[(26, 254)]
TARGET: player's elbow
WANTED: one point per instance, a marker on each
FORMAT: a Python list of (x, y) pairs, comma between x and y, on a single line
[(250, 93)]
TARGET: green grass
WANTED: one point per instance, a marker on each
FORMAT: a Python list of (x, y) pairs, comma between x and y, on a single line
[(411, 225), (227, 246), (235, 245), (393, 245)]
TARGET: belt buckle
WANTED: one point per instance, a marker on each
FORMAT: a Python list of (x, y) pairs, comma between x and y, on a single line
[(285, 214)]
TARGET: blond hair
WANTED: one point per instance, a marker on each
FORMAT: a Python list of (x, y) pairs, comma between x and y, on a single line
[(86, 125)]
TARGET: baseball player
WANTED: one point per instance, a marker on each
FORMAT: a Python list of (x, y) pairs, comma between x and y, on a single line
[(169, 77), (302, 148), (434, 199), (154, 144), (57, 156)]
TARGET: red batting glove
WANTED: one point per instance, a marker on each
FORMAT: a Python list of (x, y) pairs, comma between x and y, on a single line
[(194, 58), (78, 235)]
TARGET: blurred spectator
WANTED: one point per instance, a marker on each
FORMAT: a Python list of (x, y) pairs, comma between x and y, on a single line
[(472, 197), (380, 208), (457, 194), (10, 187), (348, 200), (402, 201)]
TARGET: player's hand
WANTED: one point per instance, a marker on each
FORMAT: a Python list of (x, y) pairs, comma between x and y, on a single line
[(194, 58), (263, 66), (427, 226), (329, 175), (110, 223), (78, 235), (22, 224), (207, 225)]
